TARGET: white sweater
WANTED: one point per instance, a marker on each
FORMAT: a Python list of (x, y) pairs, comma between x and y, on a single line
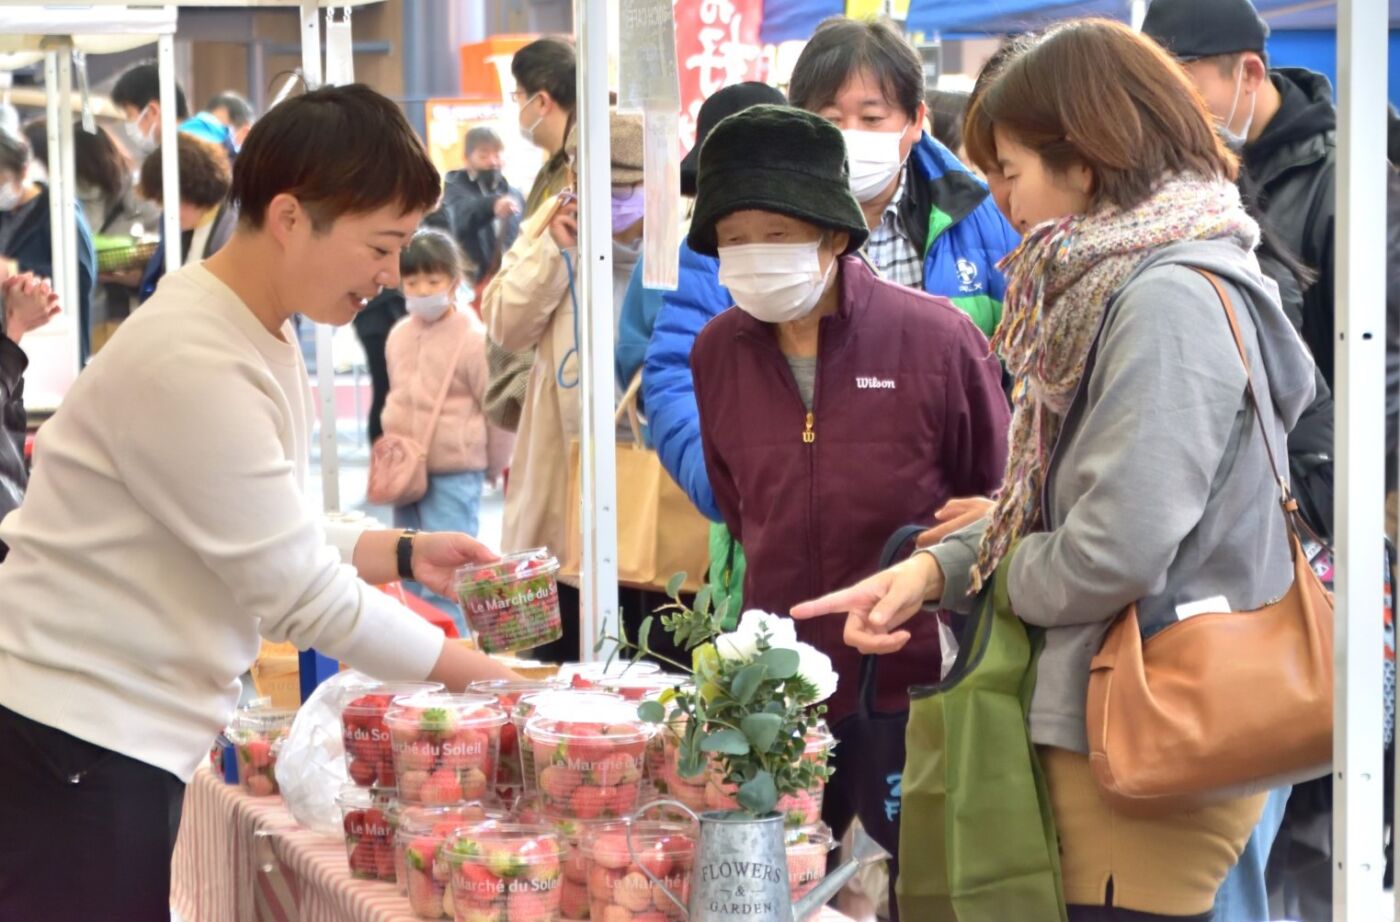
[(164, 529)]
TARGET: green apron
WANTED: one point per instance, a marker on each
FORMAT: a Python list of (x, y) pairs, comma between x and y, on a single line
[(977, 837)]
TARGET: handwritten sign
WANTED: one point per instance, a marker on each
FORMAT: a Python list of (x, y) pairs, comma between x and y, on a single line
[(647, 73)]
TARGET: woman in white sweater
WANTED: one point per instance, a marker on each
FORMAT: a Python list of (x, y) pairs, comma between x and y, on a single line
[(165, 527)]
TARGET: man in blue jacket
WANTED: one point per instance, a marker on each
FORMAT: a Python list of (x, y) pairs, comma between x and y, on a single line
[(932, 223)]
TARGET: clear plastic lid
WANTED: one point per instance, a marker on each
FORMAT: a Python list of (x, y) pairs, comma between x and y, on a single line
[(817, 836), (606, 843), (444, 821), (507, 847), (353, 797), (593, 672), (613, 721), (374, 700), (443, 712), (260, 721), (521, 565), (567, 700), (639, 687), (819, 739), (503, 688)]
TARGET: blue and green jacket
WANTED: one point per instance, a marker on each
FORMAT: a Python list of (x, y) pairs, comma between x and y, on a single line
[(948, 211)]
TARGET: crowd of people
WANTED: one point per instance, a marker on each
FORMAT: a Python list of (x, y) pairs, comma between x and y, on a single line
[(991, 315)]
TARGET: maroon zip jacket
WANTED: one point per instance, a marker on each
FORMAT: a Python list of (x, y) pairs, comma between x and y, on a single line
[(907, 413)]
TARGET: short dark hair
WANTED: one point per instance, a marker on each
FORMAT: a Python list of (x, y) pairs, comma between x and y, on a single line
[(204, 172), (549, 65), (946, 109), (14, 153), (1226, 63), (1145, 124), (432, 250), (97, 159), (240, 111), (841, 48), (339, 150), (139, 86), (482, 136)]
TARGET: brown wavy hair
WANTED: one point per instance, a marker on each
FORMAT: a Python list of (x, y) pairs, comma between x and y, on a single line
[(1093, 92)]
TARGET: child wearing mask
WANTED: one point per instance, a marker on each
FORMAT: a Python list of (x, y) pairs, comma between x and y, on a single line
[(438, 339)]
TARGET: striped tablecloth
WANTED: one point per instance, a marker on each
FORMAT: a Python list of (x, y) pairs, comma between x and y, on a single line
[(244, 859)]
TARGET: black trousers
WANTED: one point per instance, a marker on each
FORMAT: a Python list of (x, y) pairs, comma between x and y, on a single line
[(85, 833), (374, 344), (635, 605), (1112, 914)]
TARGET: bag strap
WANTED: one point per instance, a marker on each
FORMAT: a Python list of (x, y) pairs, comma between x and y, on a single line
[(1289, 504), (627, 406), (866, 695), (446, 386)]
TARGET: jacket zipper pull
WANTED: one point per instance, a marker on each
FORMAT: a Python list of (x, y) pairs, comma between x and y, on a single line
[(809, 435)]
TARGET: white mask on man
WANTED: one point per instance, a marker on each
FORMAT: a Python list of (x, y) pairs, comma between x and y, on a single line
[(428, 307), (874, 159), (10, 195), (142, 142), (1237, 141), (775, 282)]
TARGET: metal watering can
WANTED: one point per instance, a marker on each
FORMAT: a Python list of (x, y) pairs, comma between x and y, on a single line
[(741, 871)]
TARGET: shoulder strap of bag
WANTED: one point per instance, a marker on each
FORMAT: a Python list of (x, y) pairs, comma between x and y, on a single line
[(1289, 504), (627, 407), (866, 693), (446, 386)]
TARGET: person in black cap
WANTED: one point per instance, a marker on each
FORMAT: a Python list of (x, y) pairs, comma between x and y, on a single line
[(835, 406)]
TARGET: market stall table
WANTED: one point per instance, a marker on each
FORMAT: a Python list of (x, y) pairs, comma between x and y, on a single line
[(245, 859)]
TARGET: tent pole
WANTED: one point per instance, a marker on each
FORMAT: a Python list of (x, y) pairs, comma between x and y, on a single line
[(1362, 29), (68, 225), (594, 283), (169, 152), (53, 100)]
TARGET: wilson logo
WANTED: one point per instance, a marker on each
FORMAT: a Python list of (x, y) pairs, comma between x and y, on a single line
[(875, 384)]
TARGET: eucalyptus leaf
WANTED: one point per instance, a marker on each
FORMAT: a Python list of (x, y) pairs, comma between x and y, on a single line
[(746, 682), (728, 742), (598, 644), (691, 761), (702, 601), (782, 663), (762, 730), (653, 712), (760, 795), (673, 587), (644, 636)]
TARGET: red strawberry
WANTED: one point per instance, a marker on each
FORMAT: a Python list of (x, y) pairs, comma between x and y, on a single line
[(420, 854), (633, 891), (261, 785), (573, 899), (558, 782), (355, 823), (610, 851), (424, 897), (411, 786), (442, 787), (473, 784), (508, 739), (387, 777), (363, 773), (533, 905), (589, 802), (417, 756), (623, 798), (384, 861), (478, 884), (650, 916), (601, 882), (259, 753), (653, 858), (362, 860)]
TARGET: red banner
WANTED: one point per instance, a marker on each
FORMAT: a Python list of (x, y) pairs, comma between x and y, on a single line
[(717, 45)]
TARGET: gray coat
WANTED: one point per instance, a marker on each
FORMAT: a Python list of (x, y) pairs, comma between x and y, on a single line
[(1159, 489)]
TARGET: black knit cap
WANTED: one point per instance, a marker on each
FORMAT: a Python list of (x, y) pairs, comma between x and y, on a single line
[(779, 159), (1193, 29), (723, 103)]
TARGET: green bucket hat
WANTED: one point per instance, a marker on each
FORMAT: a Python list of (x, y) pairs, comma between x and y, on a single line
[(779, 159)]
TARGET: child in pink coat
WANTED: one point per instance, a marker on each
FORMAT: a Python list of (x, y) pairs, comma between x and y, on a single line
[(441, 337)]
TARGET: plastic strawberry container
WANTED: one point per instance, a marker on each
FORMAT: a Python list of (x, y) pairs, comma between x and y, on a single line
[(618, 886), (663, 768), (369, 755), (807, 850), (589, 759), (588, 675), (512, 604), (422, 873), (369, 844), (549, 700), (643, 686), (445, 747), (510, 783), (255, 733), (505, 871), (803, 808)]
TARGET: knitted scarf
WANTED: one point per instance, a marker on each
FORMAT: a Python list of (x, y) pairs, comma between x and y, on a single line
[(1059, 282)]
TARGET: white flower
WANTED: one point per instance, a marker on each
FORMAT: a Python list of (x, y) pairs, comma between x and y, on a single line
[(741, 644), (814, 667)]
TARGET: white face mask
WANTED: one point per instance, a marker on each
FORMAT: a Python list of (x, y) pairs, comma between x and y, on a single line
[(10, 194), (529, 133), (874, 159), (775, 282), (1237, 141), (428, 307), (142, 142)]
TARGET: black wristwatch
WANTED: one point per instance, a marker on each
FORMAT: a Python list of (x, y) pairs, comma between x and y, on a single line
[(404, 551)]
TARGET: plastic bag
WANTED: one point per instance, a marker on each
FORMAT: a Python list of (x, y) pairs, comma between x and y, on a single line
[(947, 644), (311, 768)]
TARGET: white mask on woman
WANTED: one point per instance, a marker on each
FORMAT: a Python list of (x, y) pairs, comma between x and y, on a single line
[(10, 195), (428, 307), (874, 159), (774, 282)]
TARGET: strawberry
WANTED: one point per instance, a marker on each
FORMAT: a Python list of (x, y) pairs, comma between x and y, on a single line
[(623, 798), (558, 783), (363, 772), (588, 802), (420, 755), (473, 784), (259, 753), (503, 861), (616, 914), (420, 854), (362, 862), (633, 891), (801, 809), (261, 785), (355, 823), (441, 787), (508, 739), (601, 882), (610, 850), (653, 858), (384, 861), (653, 915), (533, 905), (424, 897), (411, 786), (573, 899), (387, 777), (437, 720)]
